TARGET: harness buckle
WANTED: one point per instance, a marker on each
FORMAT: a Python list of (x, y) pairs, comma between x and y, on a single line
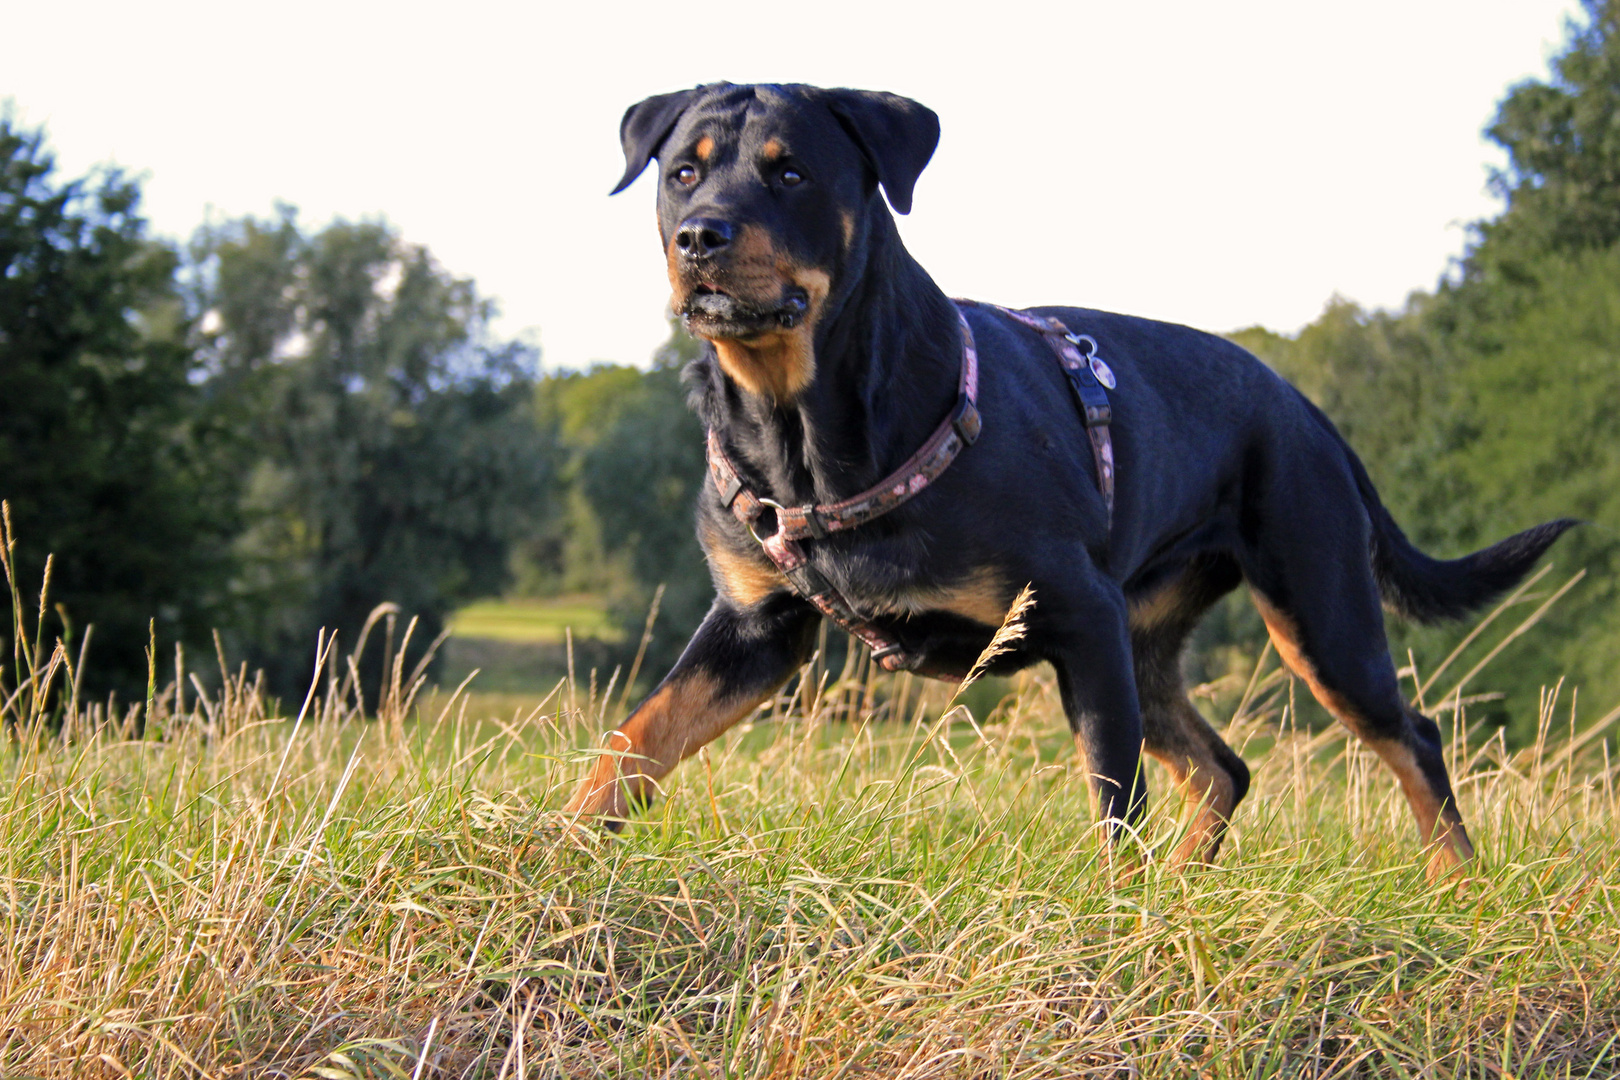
[(808, 582), (893, 648), (1087, 345), (728, 494), (966, 421)]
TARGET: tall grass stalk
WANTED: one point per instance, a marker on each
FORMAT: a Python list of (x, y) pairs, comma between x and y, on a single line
[(201, 887)]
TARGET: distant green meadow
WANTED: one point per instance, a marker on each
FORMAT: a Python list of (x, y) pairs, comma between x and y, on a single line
[(535, 621)]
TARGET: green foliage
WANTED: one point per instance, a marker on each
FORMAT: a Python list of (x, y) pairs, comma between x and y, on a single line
[(387, 450), (1562, 183), (1538, 406), (569, 554), (105, 456), (642, 479), (1490, 405)]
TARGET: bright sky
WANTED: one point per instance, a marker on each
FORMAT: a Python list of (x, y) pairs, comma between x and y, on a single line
[(1213, 164)]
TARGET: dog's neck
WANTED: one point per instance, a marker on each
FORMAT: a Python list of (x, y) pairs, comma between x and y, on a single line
[(881, 385)]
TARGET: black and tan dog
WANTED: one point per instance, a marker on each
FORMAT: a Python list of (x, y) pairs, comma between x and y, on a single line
[(833, 356)]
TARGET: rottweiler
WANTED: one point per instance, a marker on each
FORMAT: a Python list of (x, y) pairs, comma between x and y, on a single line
[(859, 473)]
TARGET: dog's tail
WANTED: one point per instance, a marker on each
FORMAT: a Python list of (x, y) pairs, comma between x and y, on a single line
[(1429, 590)]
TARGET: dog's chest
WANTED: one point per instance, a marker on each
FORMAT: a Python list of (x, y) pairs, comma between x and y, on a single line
[(873, 585), (980, 595)]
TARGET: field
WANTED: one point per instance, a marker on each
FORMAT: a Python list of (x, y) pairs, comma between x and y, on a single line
[(862, 880), (521, 648), (544, 621)]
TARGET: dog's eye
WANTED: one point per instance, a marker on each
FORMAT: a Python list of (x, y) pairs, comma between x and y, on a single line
[(791, 177), (686, 176)]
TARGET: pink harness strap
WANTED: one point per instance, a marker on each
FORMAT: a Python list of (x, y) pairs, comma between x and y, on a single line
[(1088, 374)]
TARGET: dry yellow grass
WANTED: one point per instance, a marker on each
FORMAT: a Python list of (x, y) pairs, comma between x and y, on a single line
[(852, 884)]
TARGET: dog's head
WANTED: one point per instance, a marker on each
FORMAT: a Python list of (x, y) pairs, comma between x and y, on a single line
[(763, 199)]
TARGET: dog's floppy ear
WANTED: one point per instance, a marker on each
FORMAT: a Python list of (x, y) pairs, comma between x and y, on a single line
[(896, 135), (644, 128)]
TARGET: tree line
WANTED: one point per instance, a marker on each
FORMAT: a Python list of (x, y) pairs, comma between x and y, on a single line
[(268, 429), (1492, 402)]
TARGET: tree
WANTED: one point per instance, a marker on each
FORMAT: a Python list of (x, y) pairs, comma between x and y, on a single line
[(642, 476), (388, 448), (104, 457), (1562, 183), (1489, 405), (634, 465)]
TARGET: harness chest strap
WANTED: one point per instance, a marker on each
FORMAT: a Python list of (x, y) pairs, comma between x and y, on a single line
[(957, 431), (1088, 373), (796, 523)]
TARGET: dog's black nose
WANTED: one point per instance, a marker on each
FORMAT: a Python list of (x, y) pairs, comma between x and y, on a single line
[(700, 237)]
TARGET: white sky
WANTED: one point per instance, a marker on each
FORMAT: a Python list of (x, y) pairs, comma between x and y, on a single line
[(1214, 164)]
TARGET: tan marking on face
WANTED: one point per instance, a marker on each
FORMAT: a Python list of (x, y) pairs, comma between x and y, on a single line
[(779, 364), (751, 270), (1438, 822), (776, 363), (771, 150), (672, 267), (704, 148), (847, 221), (684, 714)]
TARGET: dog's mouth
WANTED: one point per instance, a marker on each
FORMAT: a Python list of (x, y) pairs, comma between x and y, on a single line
[(712, 312)]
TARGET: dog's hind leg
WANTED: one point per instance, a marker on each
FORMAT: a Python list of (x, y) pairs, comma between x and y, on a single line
[(1212, 779), (737, 658), (1311, 576)]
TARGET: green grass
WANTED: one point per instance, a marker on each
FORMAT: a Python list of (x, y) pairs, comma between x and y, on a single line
[(535, 621), (853, 882)]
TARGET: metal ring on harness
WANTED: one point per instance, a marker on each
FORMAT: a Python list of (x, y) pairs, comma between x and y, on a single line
[(749, 525), (1099, 367), (1083, 339)]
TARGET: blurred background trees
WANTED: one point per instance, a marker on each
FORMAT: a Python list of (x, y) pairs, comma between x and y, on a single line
[(383, 447), (274, 429), (106, 449), (1493, 403)]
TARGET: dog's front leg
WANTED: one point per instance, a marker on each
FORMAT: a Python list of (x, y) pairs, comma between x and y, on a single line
[(737, 658), (1098, 687)]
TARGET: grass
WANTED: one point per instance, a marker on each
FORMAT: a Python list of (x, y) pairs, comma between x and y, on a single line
[(855, 882), (535, 621)]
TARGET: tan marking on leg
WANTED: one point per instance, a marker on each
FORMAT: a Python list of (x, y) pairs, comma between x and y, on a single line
[(1285, 637), (771, 150), (1438, 824), (681, 716), (1123, 858), (704, 148), (1157, 609), (982, 596), (847, 221), (1208, 791)]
